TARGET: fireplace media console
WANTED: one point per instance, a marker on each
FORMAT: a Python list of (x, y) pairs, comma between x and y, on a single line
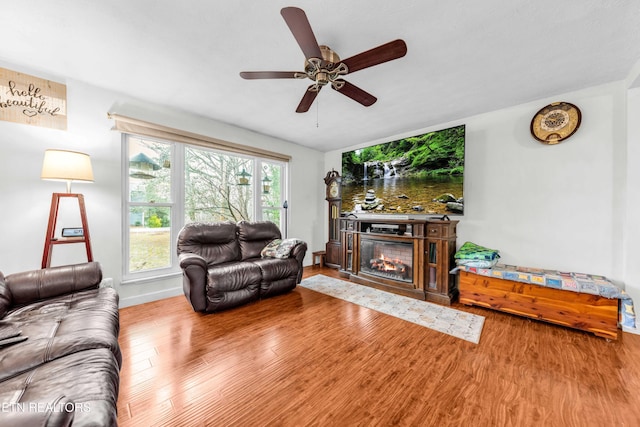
[(408, 257)]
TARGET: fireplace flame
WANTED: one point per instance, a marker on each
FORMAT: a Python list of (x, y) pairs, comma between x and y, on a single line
[(388, 265)]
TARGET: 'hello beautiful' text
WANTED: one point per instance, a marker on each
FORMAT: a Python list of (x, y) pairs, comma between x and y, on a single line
[(30, 99)]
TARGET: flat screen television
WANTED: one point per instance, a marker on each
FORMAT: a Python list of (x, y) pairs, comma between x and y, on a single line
[(418, 175)]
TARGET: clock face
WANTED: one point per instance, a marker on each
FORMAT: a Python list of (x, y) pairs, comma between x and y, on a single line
[(334, 190), (555, 122)]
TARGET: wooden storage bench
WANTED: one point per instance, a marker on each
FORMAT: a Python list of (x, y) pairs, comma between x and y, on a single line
[(583, 311)]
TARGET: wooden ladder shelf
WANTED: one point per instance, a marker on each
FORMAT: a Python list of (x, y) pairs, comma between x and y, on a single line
[(51, 240)]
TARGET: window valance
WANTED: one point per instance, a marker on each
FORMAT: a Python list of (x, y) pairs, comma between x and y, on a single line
[(144, 128)]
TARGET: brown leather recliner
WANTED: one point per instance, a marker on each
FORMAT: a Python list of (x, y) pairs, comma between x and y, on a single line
[(223, 266)]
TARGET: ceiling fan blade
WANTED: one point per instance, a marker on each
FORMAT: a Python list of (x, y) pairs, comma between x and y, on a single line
[(386, 52), (354, 92), (308, 98), (299, 25), (250, 75)]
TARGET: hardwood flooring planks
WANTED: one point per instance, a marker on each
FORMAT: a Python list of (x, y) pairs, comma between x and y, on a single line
[(305, 358)]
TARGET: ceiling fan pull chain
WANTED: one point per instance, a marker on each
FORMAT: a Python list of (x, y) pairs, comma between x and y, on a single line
[(318, 113)]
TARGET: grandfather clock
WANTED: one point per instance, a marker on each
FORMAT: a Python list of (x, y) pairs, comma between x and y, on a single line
[(334, 197)]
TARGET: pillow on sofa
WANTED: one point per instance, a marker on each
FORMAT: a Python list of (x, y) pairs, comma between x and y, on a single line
[(279, 248)]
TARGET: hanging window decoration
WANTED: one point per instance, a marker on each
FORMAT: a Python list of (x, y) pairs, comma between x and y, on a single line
[(243, 177), (142, 166)]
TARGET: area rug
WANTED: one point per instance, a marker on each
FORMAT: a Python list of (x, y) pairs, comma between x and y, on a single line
[(443, 319)]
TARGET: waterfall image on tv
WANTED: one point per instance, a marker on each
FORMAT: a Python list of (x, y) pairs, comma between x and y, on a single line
[(422, 174)]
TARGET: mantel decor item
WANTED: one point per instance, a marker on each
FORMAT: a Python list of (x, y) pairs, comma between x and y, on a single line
[(555, 122)]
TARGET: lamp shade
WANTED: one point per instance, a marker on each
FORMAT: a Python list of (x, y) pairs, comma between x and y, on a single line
[(64, 165)]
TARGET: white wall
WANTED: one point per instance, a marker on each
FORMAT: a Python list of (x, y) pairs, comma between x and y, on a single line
[(25, 199), (632, 231), (558, 207)]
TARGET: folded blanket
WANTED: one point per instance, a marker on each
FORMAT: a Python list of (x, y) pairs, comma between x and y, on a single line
[(477, 263), (473, 255)]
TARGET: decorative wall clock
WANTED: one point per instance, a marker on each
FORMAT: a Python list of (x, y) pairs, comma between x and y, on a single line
[(555, 122)]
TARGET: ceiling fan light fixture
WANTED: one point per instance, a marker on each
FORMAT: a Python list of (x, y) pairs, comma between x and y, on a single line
[(322, 78), (327, 69)]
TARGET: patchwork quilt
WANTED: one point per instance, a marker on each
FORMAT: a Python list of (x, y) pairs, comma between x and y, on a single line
[(576, 282)]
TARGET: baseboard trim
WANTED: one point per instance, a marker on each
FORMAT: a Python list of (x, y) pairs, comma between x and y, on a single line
[(152, 296)]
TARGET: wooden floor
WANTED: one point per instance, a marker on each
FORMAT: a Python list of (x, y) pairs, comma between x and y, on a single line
[(308, 359)]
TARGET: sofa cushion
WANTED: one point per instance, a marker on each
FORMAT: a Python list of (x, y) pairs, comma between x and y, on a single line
[(61, 326), (35, 285), (88, 378), (275, 268), (254, 236), (232, 284), (216, 242), (278, 275)]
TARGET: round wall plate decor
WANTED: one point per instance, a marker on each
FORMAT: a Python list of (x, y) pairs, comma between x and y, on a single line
[(555, 122)]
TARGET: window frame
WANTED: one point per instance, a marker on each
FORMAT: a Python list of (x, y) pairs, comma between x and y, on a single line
[(284, 180), (177, 203)]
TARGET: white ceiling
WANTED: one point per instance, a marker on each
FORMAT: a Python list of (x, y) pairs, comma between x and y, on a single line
[(464, 57)]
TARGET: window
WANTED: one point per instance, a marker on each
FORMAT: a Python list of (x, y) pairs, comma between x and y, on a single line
[(150, 205), (217, 186), (169, 184)]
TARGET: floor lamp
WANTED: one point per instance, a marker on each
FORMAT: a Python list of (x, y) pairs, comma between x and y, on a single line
[(68, 166)]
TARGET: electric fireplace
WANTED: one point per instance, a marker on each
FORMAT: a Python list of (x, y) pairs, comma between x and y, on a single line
[(411, 257)]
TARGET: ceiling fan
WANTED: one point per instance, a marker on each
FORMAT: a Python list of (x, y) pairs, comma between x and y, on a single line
[(323, 66)]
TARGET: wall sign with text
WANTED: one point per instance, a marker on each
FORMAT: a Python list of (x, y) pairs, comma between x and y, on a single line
[(31, 100)]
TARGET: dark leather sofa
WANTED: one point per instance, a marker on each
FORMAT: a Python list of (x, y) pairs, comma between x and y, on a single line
[(223, 267), (66, 369)]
